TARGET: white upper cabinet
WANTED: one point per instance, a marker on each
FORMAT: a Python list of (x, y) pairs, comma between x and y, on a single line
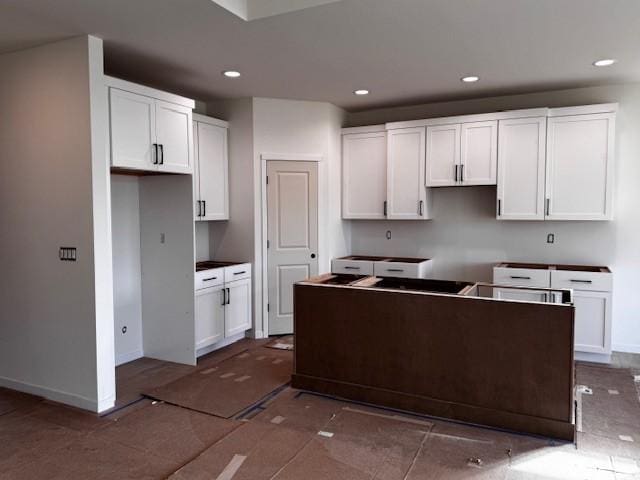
[(580, 152), (406, 192), (443, 155), (364, 174), (521, 168), (149, 130), (133, 130), (174, 138), (462, 154), (211, 179), (478, 153)]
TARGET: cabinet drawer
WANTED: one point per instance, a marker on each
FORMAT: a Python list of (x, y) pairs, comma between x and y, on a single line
[(403, 269), (522, 277), (591, 281), (356, 267), (209, 278), (237, 272)]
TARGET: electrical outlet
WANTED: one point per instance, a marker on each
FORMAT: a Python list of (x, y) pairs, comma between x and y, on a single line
[(162, 238), (551, 238), (68, 254), (388, 235)]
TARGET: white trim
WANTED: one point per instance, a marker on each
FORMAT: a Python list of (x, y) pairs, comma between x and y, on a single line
[(626, 348), (59, 396), (148, 92), (221, 344), (366, 129), (128, 357), (584, 109), (481, 117), (264, 277), (291, 157), (210, 120)]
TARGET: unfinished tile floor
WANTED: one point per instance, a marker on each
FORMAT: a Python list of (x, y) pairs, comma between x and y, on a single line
[(295, 435)]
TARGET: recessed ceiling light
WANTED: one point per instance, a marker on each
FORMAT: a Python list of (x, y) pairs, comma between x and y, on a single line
[(470, 79), (231, 73), (361, 91), (605, 62)]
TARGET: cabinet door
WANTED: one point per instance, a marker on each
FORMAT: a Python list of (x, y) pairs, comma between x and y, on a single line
[(237, 316), (132, 130), (579, 167), (443, 155), (212, 170), (479, 153), (592, 321), (209, 316), (406, 193), (364, 175), (521, 168), (174, 133)]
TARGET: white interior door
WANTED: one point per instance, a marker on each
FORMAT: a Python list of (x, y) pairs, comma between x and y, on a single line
[(212, 171), (443, 155), (292, 234), (174, 130), (479, 153), (132, 130)]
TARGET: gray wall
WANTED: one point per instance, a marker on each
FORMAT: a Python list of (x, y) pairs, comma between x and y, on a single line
[(56, 330), (465, 239)]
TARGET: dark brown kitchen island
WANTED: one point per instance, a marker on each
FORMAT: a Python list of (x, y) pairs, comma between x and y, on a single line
[(438, 348)]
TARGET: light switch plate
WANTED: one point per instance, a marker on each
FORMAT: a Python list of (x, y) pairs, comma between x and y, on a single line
[(68, 254)]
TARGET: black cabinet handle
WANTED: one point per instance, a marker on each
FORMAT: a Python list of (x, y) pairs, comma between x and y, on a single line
[(204, 208), (154, 160), (462, 172), (548, 201), (420, 207), (198, 208), (352, 268), (397, 270), (581, 281), (224, 296), (228, 296), (209, 279), (519, 277), (384, 208), (240, 273), (499, 207), (455, 172), (161, 154)]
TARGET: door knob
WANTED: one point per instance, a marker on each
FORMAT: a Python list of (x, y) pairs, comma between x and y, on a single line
[(313, 255)]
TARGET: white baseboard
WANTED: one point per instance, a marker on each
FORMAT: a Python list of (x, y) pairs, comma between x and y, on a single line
[(59, 396), (128, 357), (626, 348)]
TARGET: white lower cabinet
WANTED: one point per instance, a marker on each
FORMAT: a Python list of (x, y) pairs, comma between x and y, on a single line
[(592, 293), (209, 313), (222, 308), (237, 315)]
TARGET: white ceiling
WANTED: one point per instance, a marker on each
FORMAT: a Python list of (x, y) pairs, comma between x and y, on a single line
[(404, 51)]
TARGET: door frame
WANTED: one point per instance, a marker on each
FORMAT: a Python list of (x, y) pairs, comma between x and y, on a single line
[(264, 277)]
